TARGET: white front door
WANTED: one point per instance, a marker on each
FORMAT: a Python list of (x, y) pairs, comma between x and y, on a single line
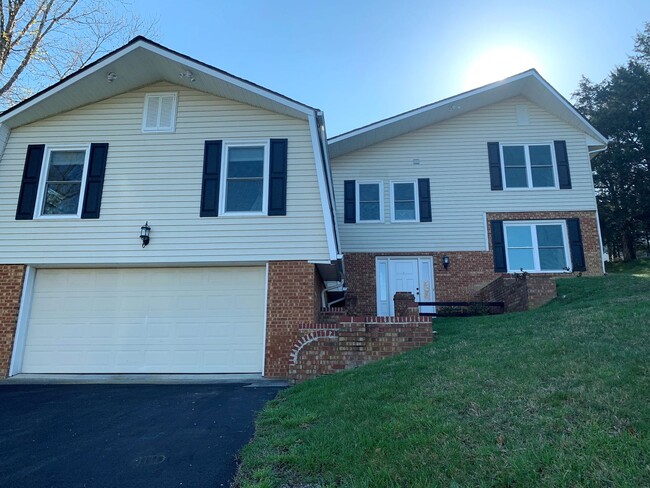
[(410, 274)]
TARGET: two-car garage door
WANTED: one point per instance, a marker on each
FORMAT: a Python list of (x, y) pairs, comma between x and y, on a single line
[(184, 320)]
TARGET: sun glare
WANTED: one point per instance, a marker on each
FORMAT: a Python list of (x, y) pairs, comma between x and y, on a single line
[(497, 64)]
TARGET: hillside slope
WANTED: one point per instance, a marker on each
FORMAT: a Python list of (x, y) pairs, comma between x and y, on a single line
[(559, 396)]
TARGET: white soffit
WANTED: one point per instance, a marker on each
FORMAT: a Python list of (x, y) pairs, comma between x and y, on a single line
[(141, 63), (528, 84)]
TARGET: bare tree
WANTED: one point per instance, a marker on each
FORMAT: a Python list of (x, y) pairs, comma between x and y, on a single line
[(43, 41)]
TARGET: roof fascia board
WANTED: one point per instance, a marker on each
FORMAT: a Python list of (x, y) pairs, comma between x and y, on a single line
[(322, 134), (48, 92), (571, 108), (168, 54), (530, 73), (426, 108), (323, 187), (228, 78)]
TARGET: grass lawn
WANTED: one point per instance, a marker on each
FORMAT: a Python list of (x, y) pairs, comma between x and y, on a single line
[(559, 396)]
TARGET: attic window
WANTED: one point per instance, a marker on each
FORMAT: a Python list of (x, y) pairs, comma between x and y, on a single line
[(159, 112)]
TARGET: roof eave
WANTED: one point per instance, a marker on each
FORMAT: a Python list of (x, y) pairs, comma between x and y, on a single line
[(144, 43), (343, 143)]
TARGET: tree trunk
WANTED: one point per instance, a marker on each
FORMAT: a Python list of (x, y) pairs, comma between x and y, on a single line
[(629, 253)]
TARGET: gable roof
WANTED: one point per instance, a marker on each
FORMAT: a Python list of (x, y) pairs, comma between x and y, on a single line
[(530, 84), (138, 63)]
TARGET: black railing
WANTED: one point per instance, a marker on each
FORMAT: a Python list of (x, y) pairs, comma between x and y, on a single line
[(460, 309)]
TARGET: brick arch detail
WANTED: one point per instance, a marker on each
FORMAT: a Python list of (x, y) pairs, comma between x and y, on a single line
[(308, 339)]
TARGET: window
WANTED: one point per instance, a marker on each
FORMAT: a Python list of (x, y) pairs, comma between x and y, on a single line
[(404, 196), (536, 247), (62, 181), (528, 166), (370, 201), (245, 172), (159, 112)]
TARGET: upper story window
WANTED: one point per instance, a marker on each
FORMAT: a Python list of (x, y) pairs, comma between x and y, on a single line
[(536, 247), (404, 196), (370, 201), (528, 166), (159, 112), (62, 181), (245, 177)]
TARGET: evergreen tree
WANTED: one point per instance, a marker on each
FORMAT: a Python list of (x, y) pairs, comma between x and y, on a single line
[(619, 107)]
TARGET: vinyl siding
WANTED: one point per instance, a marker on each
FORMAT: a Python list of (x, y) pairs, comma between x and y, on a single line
[(453, 154), (157, 177)]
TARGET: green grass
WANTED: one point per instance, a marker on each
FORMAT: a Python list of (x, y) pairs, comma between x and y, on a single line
[(638, 266), (559, 396)]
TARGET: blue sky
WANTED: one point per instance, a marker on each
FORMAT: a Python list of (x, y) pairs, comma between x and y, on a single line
[(361, 61)]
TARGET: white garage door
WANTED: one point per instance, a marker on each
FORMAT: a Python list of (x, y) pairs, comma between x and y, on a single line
[(185, 320)]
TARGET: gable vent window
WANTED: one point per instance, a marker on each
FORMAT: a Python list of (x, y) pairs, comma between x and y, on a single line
[(159, 112)]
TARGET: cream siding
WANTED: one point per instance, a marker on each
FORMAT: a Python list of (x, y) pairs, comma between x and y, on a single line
[(453, 155), (157, 178)]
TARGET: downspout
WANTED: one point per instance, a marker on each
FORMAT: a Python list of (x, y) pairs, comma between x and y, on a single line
[(323, 295)]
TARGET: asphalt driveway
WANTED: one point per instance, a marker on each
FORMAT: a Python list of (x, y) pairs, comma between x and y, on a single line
[(124, 435)]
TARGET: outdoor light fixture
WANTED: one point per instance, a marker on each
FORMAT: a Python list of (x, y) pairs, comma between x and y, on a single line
[(445, 262), (144, 233), (187, 74), (110, 77)]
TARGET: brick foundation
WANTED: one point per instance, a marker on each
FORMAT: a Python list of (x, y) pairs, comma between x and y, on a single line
[(468, 271), (11, 288), (328, 348), (293, 299), (588, 229)]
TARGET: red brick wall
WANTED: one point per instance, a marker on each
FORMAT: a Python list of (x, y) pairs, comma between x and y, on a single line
[(468, 272), (11, 288), (291, 302), (333, 348), (521, 292)]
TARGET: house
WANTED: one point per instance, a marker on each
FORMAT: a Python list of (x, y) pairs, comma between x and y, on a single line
[(228, 178), (444, 199), (159, 215)]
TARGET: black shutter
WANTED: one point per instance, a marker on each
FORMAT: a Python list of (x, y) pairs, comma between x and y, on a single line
[(29, 185), (350, 201), (95, 181), (278, 178), (575, 244), (425, 199), (494, 158), (499, 247), (562, 160), (211, 176)]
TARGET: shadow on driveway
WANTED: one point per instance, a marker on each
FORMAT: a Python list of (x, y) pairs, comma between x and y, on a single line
[(125, 435)]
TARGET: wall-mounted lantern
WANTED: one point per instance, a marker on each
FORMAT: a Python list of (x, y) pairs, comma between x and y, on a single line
[(144, 234), (445, 262)]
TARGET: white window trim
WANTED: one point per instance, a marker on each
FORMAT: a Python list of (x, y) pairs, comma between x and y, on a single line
[(40, 198), (226, 145), (529, 175), (165, 130), (416, 202), (358, 201), (533, 224)]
